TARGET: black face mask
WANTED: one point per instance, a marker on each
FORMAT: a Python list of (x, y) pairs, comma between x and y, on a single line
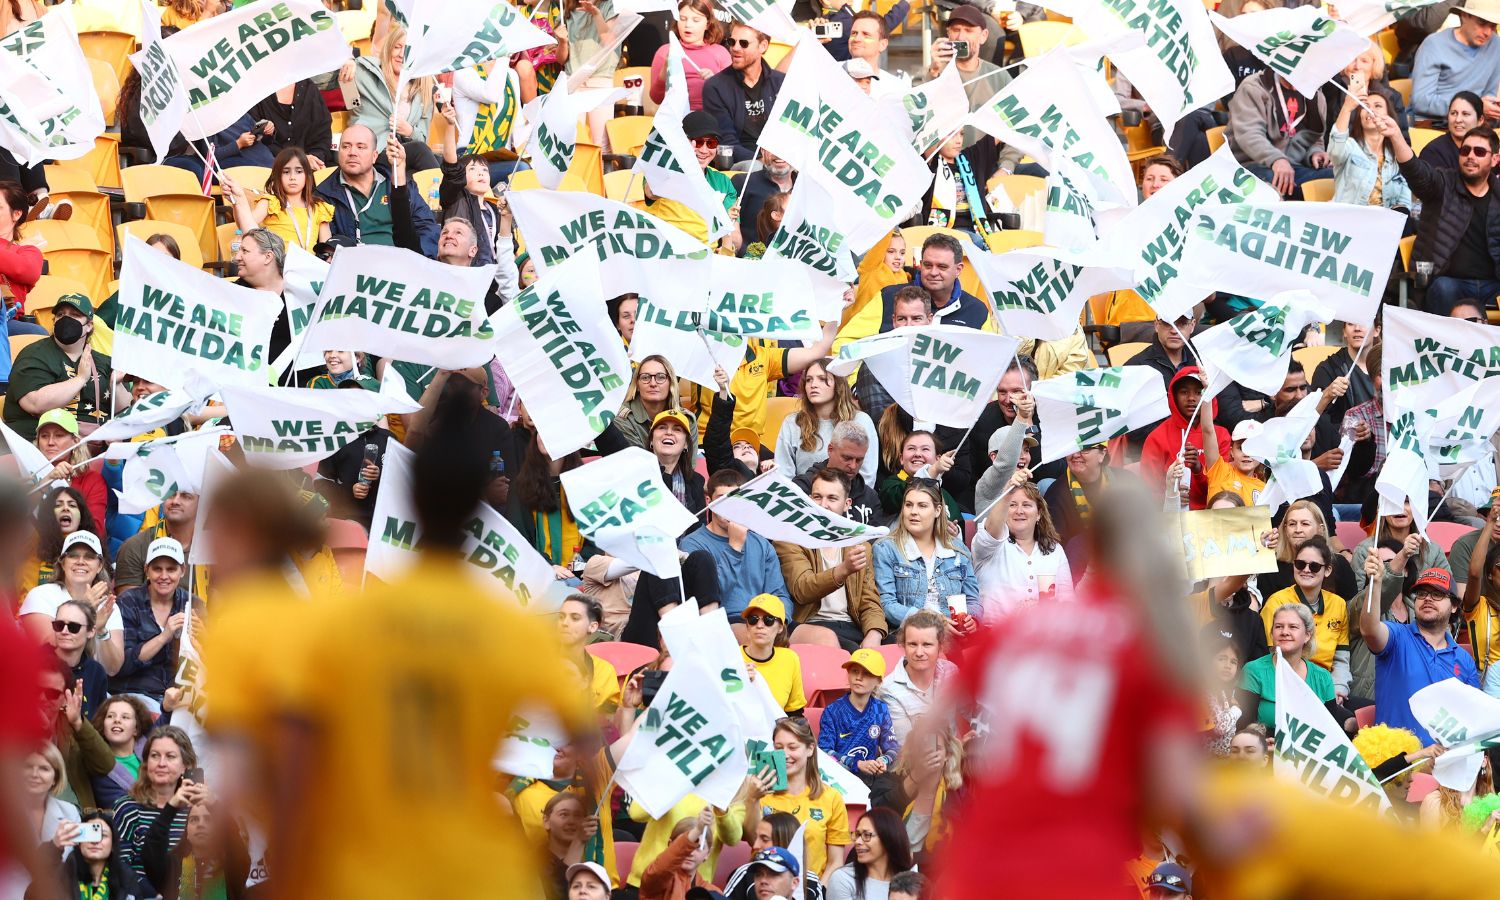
[(67, 330)]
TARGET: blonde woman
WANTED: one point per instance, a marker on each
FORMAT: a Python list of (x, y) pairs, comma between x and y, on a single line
[(652, 392), (823, 401), (919, 566), (1292, 633), (1304, 519), (377, 79)]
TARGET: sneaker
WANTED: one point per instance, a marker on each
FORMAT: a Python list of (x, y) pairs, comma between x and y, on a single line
[(60, 211)]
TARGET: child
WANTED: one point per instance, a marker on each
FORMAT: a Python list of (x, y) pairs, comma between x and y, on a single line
[(289, 207), (856, 729), (919, 459), (1238, 475)]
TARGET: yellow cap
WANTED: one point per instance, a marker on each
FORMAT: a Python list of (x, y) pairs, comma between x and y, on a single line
[(869, 660), (768, 603), (673, 415)]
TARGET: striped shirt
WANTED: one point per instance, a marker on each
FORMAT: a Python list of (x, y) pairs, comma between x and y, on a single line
[(132, 820)]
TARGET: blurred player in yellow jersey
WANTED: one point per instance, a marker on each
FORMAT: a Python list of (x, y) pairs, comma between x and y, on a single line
[(392, 708)]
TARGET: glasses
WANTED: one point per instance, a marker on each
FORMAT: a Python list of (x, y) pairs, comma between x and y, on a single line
[(864, 835), (1478, 319), (741, 43), (652, 378), (756, 619), (58, 625), (706, 143), (1473, 150), (52, 694), (1311, 568), (923, 482), (1174, 881)]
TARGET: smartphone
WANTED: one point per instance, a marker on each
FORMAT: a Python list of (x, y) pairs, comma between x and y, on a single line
[(772, 761), (260, 126), (828, 30), (90, 832), (193, 775), (651, 682), (960, 49)]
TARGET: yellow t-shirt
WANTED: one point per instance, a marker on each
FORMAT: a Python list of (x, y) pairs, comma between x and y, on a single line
[(1223, 476), (604, 683), (293, 226), (751, 384), (1484, 634), (527, 803), (728, 828), (407, 689), (1331, 627), (783, 675), (827, 822)]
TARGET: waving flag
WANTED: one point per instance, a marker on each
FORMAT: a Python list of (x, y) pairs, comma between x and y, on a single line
[(1093, 406)]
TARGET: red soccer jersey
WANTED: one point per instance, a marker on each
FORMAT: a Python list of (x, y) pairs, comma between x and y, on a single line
[(21, 724), (1070, 694)]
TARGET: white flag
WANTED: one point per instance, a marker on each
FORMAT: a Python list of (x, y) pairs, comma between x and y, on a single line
[(1048, 112), (708, 638), (937, 373), (934, 109), (164, 100), (1370, 16), (1180, 67), (833, 775), (447, 39), (175, 319), (27, 101), (49, 47), (555, 137), (1299, 43), (811, 233), (396, 303), (831, 132), (683, 339), (497, 556), (564, 357), (1153, 234), (667, 160), (1340, 252), (1462, 719), (30, 460), (777, 510), (287, 428), (302, 279), (688, 742), (1279, 445), (1068, 218), (1039, 292), (773, 17), (1430, 358), (1404, 475), (1312, 748), (621, 504), (156, 469), (1255, 347), (146, 414), (529, 748), (1463, 424), (1092, 406), (230, 61)]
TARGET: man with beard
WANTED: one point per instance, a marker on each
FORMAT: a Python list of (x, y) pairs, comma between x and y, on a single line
[(1460, 224), (458, 397), (179, 512), (775, 176)]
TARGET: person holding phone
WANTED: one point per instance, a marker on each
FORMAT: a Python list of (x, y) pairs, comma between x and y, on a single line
[(819, 807), (209, 861), (95, 867), (161, 790), (964, 36)]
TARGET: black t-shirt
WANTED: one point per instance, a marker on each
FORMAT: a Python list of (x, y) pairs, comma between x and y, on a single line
[(1471, 258), (756, 108)]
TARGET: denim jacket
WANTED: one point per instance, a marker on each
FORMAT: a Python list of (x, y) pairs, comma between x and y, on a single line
[(901, 577)]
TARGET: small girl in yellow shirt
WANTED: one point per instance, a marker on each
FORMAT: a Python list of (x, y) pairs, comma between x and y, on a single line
[(289, 208)]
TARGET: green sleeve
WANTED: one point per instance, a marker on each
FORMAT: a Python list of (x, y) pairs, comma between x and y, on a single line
[(1461, 554)]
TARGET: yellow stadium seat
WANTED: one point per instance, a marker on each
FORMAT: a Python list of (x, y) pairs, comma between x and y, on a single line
[(104, 160), (226, 235), (1421, 137), (427, 181), (627, 134), (140, 182), (636, 78), (1389, 45), (1039, 37), (109, 46), (778, 51), (1215, 137), (19, 342), (172, 195), (1402, 86), (617, 183), (356, 24), (248, 177), (586, 169), (1319, 190), (1002, 241), (107, 84), (339, 120), (1406, 245), (1019, 187), (42, 297), (524, 180), (66, 235), (324, 173), (186, 238), (1311, 357), (1120, 354), (777, 409), (90, 207)]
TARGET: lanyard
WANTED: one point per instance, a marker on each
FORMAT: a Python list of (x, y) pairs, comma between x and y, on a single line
[(1290, 124), (357, 212), (305, 242)]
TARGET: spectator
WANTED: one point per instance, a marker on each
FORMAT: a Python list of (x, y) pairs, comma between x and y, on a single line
[(261, 262), (81, 573), (1277, 133), (63, 373), (982, 79), (919, 566), (1160, 171), (1312, 562), (538, 510), (57, 438), (670, 433), (833, 590), (237, 145), (93, 869), (1168, 353), (774, 830), (1464, 58), (350, 479), (702, 131), (1166, 440), (1365, 173), (579, 619), (590, 30), (384, 213), (1302, 521), (910, 688), (1012, 405), (122, 721), (1240, 474), (908, 886), (1460, 225), (84, 754), (1169, 881), (1481, 603), (1224, 715), (920, 461), (774, 177), (940, 265), (622, 314), (1367, 424), (1018, 554), (298, 118), (179, 514), (376, 79), (155, 614), (1460, 555), (1071, 497), (867, 34), (290, 208), (773, 872), (1411, 655), (44, 780), (653, 391), (741, 97), (20, 264), (458, 401), (341, 367), (73, 641), (61, 512), (765, 648), (587, 881), (1242, 63), (823, 403), (702, 38), (161, 790), (179, 14), (208, 860), (464, 193), (746, 562), (817, 806), (881, 851), (1465, 111), (856, 729), (1291, 633), (1252, 746), (675, 871), (727, 827), (1339, 379), (1444, 809), (1011, 448)]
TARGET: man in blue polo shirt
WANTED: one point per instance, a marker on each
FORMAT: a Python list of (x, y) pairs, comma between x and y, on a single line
[(1412, 655)]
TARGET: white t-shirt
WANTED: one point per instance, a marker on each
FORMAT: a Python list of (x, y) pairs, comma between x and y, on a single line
[(835, 605), (1010, 578), (44, 599)]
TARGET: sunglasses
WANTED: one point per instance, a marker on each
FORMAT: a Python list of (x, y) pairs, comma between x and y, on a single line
[(1312, 568), (741, 43), (1477, 319), (756, 619), (1164, 881), (706, 143), (58, 625), (1473, 150)]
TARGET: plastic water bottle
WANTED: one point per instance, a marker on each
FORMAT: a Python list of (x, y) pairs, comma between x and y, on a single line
[(234, 245), (432, 196)]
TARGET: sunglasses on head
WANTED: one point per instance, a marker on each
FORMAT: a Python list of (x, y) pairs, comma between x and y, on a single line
[(58, 625), (1473, 150), (1174, 881), (1308, 566), (759, 619), (707, 143)]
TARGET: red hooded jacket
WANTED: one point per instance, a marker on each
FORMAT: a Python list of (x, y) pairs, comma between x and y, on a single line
[(1160, 449)]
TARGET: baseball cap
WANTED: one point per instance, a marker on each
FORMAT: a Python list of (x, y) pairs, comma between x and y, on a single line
[(78, 301), (869, 660), (61, 418), (698, 123), (767, 603), (1494, 495), (1170, 877), (967, 15), (1246, 429), (168, 547), (674, 415), (777, 859), (592, 868), (859, 68), (748, 435), (1435, 577), (1003, 432), (85, 538)]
